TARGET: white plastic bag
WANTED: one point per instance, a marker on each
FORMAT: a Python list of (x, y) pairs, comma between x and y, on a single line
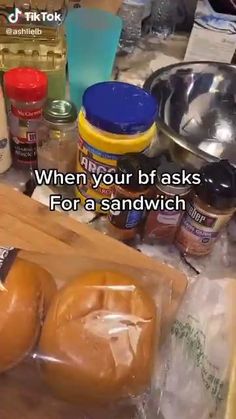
[(199, 353)]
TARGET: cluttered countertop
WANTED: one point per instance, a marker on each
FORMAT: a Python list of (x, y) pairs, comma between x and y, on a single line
[(134, 69), (105, 344), (146, 58)]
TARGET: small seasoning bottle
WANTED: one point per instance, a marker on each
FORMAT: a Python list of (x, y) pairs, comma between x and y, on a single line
[(162, 225), (26, 89), (124, 225), (57, 137), (209, 210)]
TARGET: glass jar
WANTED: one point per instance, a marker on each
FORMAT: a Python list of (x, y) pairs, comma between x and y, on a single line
[(162, 224), (57, 137), (124, 224), (209, 210)]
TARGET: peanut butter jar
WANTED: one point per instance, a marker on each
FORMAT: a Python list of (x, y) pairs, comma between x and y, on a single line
[(209, 210)]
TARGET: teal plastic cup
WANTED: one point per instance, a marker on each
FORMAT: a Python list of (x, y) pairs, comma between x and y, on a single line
[(92, 42)]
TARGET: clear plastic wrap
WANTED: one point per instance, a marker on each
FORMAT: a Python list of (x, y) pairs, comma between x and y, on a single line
[(94, 345), (196, 362), (94, 340)]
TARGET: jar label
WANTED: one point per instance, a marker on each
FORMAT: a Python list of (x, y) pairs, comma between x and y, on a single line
[(100, 192), (199, 229), (85, 194), (26, 114), (23, 129), (7, 258), (199, 217), (126, 219), (90, 165), (91, 160), (162, 225), (25, 149), (108, 156), (168, 217), (133, 219)]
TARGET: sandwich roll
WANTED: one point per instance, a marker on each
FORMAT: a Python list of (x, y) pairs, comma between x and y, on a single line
[(98, 339), (49, 287), (25, 292)]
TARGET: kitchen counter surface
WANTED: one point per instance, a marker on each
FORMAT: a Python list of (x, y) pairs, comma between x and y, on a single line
[(222, 263), (135, 68), (149, 57)]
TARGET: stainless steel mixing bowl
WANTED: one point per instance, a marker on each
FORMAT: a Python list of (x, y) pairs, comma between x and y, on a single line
[(197, 110)]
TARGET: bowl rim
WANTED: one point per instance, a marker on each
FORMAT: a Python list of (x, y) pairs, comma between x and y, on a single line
[(177, 138)]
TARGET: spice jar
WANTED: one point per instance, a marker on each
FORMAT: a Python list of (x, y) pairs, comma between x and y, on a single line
[(209, 210), (57, 137), (124, 225), (26, 89), (162, 225)]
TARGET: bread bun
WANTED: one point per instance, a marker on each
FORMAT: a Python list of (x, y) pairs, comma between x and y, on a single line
[(49, 287), (24, 294), (97, 342)]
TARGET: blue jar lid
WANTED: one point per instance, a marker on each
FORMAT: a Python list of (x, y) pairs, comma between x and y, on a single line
[(119, 108)]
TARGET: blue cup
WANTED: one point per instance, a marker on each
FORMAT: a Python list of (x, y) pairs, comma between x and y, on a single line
[(92, 41)]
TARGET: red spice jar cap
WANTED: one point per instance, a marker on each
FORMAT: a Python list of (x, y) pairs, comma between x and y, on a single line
[(25, 84)]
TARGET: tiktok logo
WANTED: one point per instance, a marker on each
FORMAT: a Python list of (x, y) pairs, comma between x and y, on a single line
[(14, 17)]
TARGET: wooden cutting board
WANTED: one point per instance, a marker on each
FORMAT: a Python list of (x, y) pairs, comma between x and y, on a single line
[(67, 248), (30, 226)]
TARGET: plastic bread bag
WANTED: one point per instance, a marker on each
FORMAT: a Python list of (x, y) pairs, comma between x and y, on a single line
[(95, 350), (26, 291), (196, 362), (99, 340), (231, 402), (93, 343)]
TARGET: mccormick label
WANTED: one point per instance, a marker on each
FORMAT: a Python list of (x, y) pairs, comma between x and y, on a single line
[(23, 129), (23, 114), (7, 258)]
